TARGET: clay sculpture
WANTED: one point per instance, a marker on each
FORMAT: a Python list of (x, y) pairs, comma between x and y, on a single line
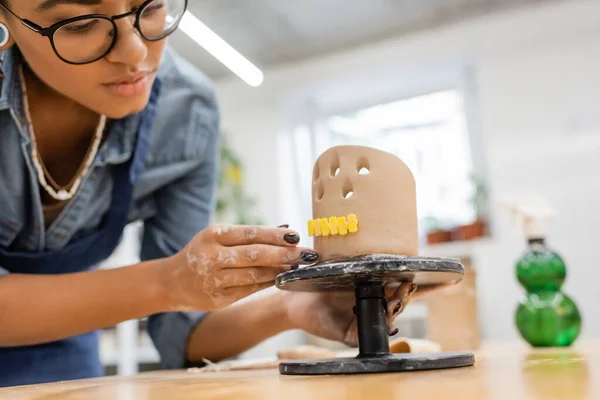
[(364, 202)]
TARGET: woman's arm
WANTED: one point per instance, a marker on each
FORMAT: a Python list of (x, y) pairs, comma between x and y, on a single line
[(232, 330), (43, 308), (219, 266)]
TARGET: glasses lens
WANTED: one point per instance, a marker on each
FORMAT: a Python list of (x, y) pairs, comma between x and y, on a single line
[(84, 40), (160, 18)]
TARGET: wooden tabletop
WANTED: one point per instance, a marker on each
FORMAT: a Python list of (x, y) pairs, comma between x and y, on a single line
[(502, 371)]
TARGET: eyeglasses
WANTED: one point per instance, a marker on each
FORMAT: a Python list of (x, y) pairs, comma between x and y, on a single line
[(88, 38)]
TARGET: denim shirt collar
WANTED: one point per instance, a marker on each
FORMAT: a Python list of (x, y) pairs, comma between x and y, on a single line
[(117, 148), (10, 59)]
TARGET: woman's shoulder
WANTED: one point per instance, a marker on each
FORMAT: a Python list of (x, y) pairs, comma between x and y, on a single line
[(187, 118), (182, 80)]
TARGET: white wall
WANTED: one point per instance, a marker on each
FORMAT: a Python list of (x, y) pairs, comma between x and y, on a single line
[(536, 75)]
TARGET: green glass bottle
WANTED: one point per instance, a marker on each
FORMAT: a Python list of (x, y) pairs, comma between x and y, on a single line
[(545, 316)]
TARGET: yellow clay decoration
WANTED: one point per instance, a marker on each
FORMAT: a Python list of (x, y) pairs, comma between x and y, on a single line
[(352, 223), (324, 226), (317, 227), (333, 226), (311, 227), (342, 226)]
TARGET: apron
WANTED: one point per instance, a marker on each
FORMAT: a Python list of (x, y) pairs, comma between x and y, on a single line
[(76, 357)]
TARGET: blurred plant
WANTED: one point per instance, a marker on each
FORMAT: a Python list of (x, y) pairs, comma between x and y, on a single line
[(433, 224), (234, 206), (480, 196)]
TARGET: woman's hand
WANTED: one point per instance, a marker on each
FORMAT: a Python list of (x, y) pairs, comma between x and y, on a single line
[(224, 263), (330, 315)]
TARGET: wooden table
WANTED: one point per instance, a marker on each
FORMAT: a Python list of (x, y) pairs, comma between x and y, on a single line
[(502, 371)]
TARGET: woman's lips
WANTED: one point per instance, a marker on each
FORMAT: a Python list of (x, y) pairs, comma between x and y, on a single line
[(133, 85)]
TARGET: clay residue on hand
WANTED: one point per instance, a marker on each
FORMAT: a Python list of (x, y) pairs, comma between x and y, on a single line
[(198, 262), (220, 230), (227, 257), (252, 253), (251, 233)]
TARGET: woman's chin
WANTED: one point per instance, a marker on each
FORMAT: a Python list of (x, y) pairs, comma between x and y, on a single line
[(122, 109), (124, 101)]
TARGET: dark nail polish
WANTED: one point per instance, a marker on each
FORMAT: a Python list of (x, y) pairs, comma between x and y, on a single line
[(309, 256), (284, 226), (397, 308), (294, 267), (291, 238), (354, 310), (394, 332)]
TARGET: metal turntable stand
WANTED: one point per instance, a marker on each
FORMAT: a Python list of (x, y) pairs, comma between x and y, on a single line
[(367, 276)]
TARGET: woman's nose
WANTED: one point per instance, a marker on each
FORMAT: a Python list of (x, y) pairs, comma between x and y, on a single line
[(130, 48)]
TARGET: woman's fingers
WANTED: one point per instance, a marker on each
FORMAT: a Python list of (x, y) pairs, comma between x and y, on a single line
[(254, 246), (424, 290), (235, 277), (400, 291), (263, 255), (351, 336), (398, 302), (238, 235)]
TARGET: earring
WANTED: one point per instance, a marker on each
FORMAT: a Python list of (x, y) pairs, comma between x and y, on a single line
[(4, 35)]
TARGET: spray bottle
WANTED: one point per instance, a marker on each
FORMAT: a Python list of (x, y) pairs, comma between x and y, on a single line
[(545, 316)]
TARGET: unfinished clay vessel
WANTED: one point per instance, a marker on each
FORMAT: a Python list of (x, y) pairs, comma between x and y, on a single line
[(364, 202)]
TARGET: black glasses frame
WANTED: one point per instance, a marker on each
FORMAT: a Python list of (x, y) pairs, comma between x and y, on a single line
[(49, 31)]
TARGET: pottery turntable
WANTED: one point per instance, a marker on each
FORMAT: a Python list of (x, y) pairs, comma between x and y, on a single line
[(365, 231)]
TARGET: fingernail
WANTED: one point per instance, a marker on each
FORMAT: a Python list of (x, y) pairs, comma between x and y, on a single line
[(354, 310), (309, 256), (294, 267), (412, 290), (291, 238), (284, 226), (397, 308), (395, 331)]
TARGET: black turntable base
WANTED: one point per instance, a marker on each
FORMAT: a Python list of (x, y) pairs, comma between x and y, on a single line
[(367, 276)]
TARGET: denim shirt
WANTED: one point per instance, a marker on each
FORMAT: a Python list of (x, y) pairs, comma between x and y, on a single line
[(174, 196)]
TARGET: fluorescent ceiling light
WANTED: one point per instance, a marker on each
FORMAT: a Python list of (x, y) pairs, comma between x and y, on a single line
[(221, 50)]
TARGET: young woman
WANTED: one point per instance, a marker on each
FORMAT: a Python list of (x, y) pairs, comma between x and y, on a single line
[(101, 125)]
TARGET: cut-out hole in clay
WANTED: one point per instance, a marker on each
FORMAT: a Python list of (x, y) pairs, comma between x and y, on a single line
[(320, 190), (335, 165), (347, 190), (316, 173), (363, 166)]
